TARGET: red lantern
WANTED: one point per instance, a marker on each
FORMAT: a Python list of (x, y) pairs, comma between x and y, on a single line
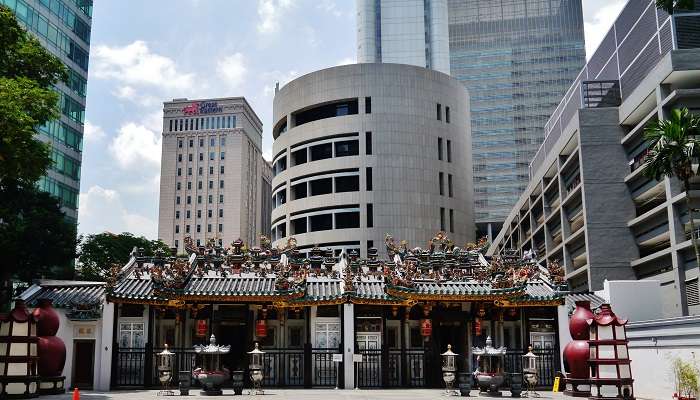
[(202, 327), (260, 328), (426, 327), (477, 327)]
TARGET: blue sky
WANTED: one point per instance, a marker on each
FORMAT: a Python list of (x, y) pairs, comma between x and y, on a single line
[(147, 52)]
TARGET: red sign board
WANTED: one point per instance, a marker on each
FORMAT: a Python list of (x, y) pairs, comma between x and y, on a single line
[(426, 327), (202, 327)]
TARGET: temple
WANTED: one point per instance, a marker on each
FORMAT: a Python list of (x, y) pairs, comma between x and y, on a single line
[(399, 313)]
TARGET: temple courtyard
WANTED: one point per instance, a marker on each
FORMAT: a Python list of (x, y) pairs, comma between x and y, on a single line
[(289, 394)]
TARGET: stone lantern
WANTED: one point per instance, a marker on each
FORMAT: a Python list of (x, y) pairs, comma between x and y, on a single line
[(611, 376), (449, 369), (530, 371), (256, 370), (165, 371)]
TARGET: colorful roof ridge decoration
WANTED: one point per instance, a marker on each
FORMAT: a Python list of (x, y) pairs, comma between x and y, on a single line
[(286, 277), (605, 316)]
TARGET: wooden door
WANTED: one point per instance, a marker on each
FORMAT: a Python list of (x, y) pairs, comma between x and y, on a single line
[(83, 363)]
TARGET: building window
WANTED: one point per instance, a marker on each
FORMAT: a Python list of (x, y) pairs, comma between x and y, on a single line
[(179, 143), (199, 172), (221, 169), (347, 220), (176, 244), (189, 185), (441, 182), (347, 148), (199, 213), (211, 184), (211, 199), (189, 171), (201, 156), (187, 229), (222, 140), (212, 155), (449, 151), (221, 184), (187, 214), (221, 198), (189, 199), (179, 158), (199, 199), (199, 185), (368, 105), (209, 213), (208, 228), (439, 112), (370, 215), (199, 228), (177, 228), (321, 186), (221, 212), (179, 172), (321, 151), (221, 227), (347, 183), (452, 220), (322, 222), (368, 143), (178, 186), (368, 178), (442, 218), (131, 335), (449, 185), (171, 126), (177, 200), (223, 155), (211, 170), (447, 114), (440, 148), (177, 214), (212, 141), (201, 142), (191, 142)]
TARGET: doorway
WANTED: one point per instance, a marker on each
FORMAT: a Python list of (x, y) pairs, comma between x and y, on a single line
[(83, 363), (235, 335)]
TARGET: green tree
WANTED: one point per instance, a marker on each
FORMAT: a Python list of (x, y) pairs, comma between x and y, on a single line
[(674, 151), (671, 5), (97, 253), (36, 239)]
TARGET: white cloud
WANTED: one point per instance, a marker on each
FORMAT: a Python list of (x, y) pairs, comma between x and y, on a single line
[(274, 77), (92, 133), (136, 65), (271, 12), (599, 21), (232, 70), (136, 147), (103, 210), (329, 6), (347, 60)]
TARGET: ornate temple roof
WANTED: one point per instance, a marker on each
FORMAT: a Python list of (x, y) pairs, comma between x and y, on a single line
[(65, 294), (284, 276)]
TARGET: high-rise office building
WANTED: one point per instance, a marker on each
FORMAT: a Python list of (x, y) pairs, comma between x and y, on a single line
[(517, 58), (404, 32), (63, 28), (214, 182)]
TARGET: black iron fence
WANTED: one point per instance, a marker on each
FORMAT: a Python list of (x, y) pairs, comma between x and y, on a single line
[(313, 367)]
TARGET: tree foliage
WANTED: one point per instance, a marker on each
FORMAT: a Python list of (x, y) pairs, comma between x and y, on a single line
[(36, 239), (674, 148), (97, 253), (27, 72), (672, 5)]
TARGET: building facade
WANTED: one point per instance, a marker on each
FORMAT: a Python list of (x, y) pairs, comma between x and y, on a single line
[(589, 205), (214, 181), (63, 27), (403, 32), (516, 58), (365, 149)]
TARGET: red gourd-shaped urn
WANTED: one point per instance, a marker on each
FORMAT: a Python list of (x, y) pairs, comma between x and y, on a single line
[(578, 323), (51, 349)]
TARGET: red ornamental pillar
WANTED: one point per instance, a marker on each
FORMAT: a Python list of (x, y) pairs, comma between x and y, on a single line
[(51, 349), (577, 382)]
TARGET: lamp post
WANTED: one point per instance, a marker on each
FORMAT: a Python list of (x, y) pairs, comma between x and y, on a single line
[(449, 370), (530, 372), (165, 371), (256, 370)]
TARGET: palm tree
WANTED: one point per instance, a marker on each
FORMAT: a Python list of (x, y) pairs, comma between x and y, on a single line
[(674, 151), (670, 5)]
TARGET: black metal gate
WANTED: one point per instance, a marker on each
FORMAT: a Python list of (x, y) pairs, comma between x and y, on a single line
[(324, 370), (547, 365), (283, 367), (369, 371)]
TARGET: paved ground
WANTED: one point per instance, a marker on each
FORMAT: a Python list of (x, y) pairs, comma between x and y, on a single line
[(290, 394)]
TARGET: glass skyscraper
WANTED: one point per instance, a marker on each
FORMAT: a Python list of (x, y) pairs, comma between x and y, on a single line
[(63, 28), (517, 59)]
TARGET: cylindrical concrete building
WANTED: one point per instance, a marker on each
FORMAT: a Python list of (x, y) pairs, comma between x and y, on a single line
[(363, 150)]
